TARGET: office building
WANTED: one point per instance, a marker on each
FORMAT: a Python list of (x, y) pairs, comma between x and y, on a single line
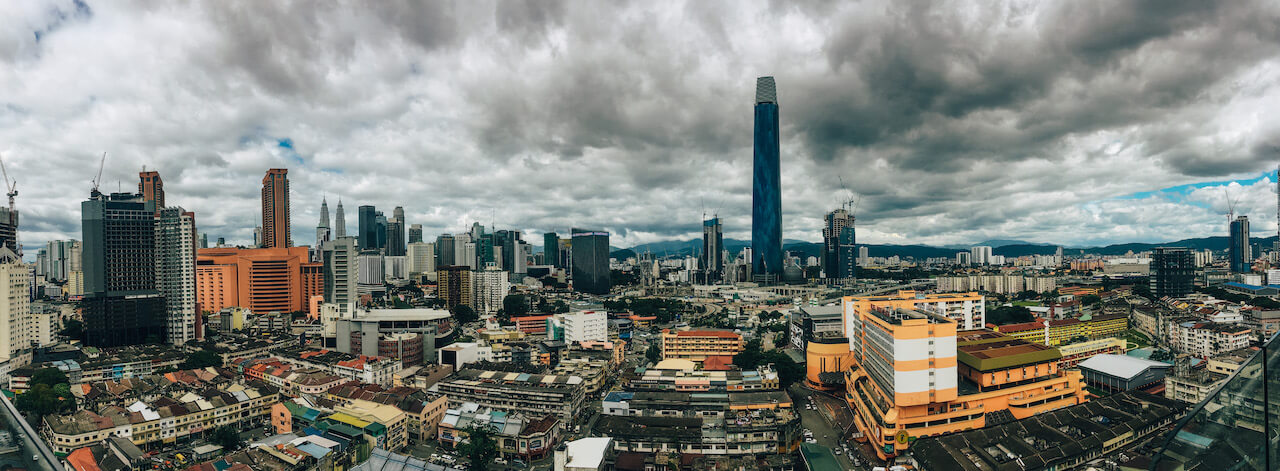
[(711, 260), (912, 375), (340, 271), (121, 304), (488, 287), (1173, 272), (262, 280), (591, 261), (551, 249), (453, 286), (204, 240), (151, 187), (415, 233), (445, 250), (371, 274), (833, 233), (585, 326), (422, 258), (395, 233), (16, 321), (176, 272), (380, 226), (322, 229), (1239, 252), (368, 226), (766, 185), (275, 209), (9, 229), (58, 259)]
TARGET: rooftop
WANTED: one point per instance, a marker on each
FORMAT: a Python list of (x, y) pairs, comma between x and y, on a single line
[(1120, 366), (988, 351)]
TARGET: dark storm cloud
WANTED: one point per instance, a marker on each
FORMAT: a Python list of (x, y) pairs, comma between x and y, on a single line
[(954, 122)]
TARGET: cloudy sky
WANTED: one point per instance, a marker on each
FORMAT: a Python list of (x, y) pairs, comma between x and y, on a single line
[(1080, 122)]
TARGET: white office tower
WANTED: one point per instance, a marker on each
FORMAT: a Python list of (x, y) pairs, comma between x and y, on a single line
[(422, 259), (175, 257), (586, 326), (396, 266), (862, 256), (488, 288), (340, 271), (15, 305), (370, 270)]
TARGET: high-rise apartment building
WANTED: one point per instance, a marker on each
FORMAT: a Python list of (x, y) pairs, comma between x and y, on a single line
[(176, 272), (453, 285), (58, 259), (121, 304), (151, 187), (711, 260), (766, 187), (340, 271), (551, 249), (585, 326), (275, 209), (322, 229), (591, 261), (15, 306), (415, 233), (488, 287), (1240, 253), (980, 255), (1173, 272), (339, 222)]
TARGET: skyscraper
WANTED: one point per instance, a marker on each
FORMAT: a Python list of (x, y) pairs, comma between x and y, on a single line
[(711, 260), (1239, 250), (551, 249), (341, 271), (339, 222), (15, 306), (445, 250), (832, 233), (275, 209), (380, 228), (121, 304), (368, 226), (395, 233), (9, 229), (1173, 271), (766, 187), (175, 264), (415, 233), (322, 229), (151, 187), (591, 261)]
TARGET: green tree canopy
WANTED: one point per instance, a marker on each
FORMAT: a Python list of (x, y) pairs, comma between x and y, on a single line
[(1009, 315), (49, 376), (515, 305), (464, 314), (479, 448), (201, 359), (73, 329), (227, 437), (654, 353)]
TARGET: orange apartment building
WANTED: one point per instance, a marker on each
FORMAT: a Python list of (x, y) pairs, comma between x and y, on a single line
[(910, 373), (700, 345), (261, 280)]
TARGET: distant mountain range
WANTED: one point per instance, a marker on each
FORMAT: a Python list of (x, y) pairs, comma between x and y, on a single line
[(1006, 247)]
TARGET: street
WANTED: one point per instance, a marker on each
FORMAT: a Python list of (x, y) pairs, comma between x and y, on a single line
[(820, 421)]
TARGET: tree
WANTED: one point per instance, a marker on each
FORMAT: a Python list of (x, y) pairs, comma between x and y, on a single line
[(464, 314), (73, 329), (1090, 299), (227, 437), (1009, 315), (49, 376), (201, 359), (479, 448), (654, 353), (515, 305), (43, 399)]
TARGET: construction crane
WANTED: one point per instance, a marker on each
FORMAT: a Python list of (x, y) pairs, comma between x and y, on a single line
[(1231, 206), (97, 180), (11, 185)]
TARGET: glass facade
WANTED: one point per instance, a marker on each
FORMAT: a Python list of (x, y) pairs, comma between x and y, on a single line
[(766, 185), (1239, 252), (591, 261), (1229, 429), (20, 446)]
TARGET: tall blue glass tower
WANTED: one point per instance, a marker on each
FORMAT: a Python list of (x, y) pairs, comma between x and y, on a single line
[(766, 185)]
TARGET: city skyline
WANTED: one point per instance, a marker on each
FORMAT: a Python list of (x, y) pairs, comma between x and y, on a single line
[(946, 146)]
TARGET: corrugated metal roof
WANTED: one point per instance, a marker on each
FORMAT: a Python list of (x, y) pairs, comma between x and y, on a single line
[(1120, 366)]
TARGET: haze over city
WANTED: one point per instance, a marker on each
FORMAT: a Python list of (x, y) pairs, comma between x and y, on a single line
[(1069, 123)]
